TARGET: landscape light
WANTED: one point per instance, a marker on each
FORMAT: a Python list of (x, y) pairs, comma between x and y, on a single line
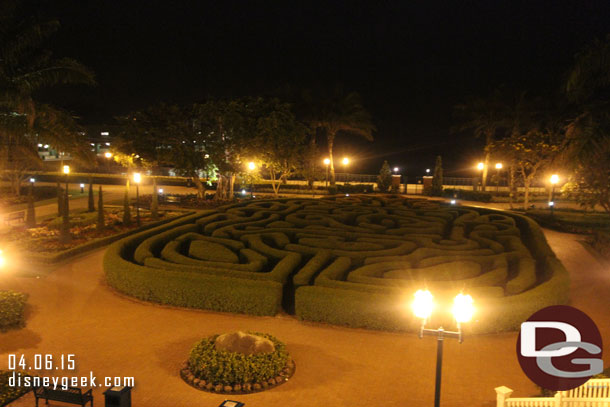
[(66, 169), (428, 170), (423, 304), (32, 180), (480, 166), (251, 165), (137, 177), (39, 145), (243, 192), (551, 203), (498, 166), (326, 161), (82, 185), (463, 308), (346, 194), (453, 202), (345, 161), (395, 169), (46, 146), (160, 190), (554, 179), (108, 154)]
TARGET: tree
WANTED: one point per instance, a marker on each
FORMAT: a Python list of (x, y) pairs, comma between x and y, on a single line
[(30, 220), (279, 143), (529, 153), (585, 149), (437, 180), (27, 67), (340, 114), (91, 203), (384, 179), (100, 211), (485, 116), (154, 204), (64, 235)]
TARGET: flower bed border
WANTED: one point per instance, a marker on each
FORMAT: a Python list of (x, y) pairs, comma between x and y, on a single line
[(190, 379), (96, 243)]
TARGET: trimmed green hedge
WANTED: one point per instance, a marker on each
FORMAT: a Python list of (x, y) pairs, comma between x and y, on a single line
[(12, 306), (230, 368)]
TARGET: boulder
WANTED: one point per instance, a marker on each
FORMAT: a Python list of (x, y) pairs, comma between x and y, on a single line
[(240, 342)]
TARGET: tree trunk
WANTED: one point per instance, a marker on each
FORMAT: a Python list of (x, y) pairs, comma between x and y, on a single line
[(218, 196), (60, 200), (331, 141), (526, 193), (30, 220), (91, 201), (100, 211), (65, 236), (154, 202), (231, 186), (485, 169), (126, 208), (512, 190)]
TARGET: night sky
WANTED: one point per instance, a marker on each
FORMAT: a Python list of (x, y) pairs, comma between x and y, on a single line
[(412, 61)]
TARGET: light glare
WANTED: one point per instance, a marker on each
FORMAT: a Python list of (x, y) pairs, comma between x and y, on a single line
[(463, 308), (326, 161), (480, 166), (423, 304), (66, 169), (137, 177), (554, 179)]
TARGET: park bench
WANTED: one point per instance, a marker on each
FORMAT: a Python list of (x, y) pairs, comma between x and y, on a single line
[(14, 216), (72, 395)]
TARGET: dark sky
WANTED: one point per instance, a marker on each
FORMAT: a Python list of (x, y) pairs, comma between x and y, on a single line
[(412, 61)]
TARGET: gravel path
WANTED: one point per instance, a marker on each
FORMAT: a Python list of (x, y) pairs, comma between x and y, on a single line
[(73, 311)]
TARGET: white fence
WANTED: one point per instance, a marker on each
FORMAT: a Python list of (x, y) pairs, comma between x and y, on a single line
[(594, 393)]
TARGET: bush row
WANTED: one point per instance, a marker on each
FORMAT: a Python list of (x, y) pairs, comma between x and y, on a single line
[(12, 305)]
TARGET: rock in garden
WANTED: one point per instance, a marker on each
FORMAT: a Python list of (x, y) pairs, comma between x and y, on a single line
[(279, 379), (248, 387), (196, 382), (256, 386), (240, 342), (228, 389), (209, 386), (237, 387), (271, 382), (218, 387), (202, 384)]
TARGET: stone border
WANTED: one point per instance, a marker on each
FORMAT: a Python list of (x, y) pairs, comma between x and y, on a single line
[(199, 384)]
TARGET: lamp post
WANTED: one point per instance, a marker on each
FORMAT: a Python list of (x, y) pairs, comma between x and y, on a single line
[(82, 188), (423, 305), (137, 177), (554, 180), (326, 163), (498, 168), (65, 224), (251, 168), (481, 167)]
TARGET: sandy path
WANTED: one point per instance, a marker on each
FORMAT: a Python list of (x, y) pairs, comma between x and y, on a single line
[(72, 311)]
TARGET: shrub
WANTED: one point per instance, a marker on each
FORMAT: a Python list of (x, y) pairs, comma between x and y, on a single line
[(601, 242), (12, 305), (384, 179), (10, 393), (230, 368)]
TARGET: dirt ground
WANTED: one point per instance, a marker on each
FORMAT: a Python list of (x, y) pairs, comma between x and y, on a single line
[(72, 311)]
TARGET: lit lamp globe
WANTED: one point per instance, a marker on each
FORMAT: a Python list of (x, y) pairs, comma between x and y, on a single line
[(498, 166), (480, 166), (66, 169), (137, 177), (345, 161), (423, 304), (251, 166), (554, 179), (463, 308), (326, 161), (108, 154)]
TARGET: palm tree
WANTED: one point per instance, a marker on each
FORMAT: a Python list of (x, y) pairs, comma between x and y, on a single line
[(26, 67), (341, 114), (485, 116)]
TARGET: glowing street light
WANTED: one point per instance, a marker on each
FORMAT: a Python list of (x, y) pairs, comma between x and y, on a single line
[(32, 180), (345, 161), (498, 168), (327, 163), (137, 178), (66, 169), (463, 310), (480, 166), (553, 180), (108, 154), (82, 188), (427, 170), (251, 166), (396, 169)]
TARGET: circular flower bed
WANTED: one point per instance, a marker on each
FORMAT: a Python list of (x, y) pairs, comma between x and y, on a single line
[(211, 368)]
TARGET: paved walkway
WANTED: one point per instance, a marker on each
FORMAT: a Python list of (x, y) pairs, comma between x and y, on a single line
[(72, 311)]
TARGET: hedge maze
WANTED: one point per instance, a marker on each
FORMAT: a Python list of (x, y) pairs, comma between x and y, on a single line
[(351, 261)]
